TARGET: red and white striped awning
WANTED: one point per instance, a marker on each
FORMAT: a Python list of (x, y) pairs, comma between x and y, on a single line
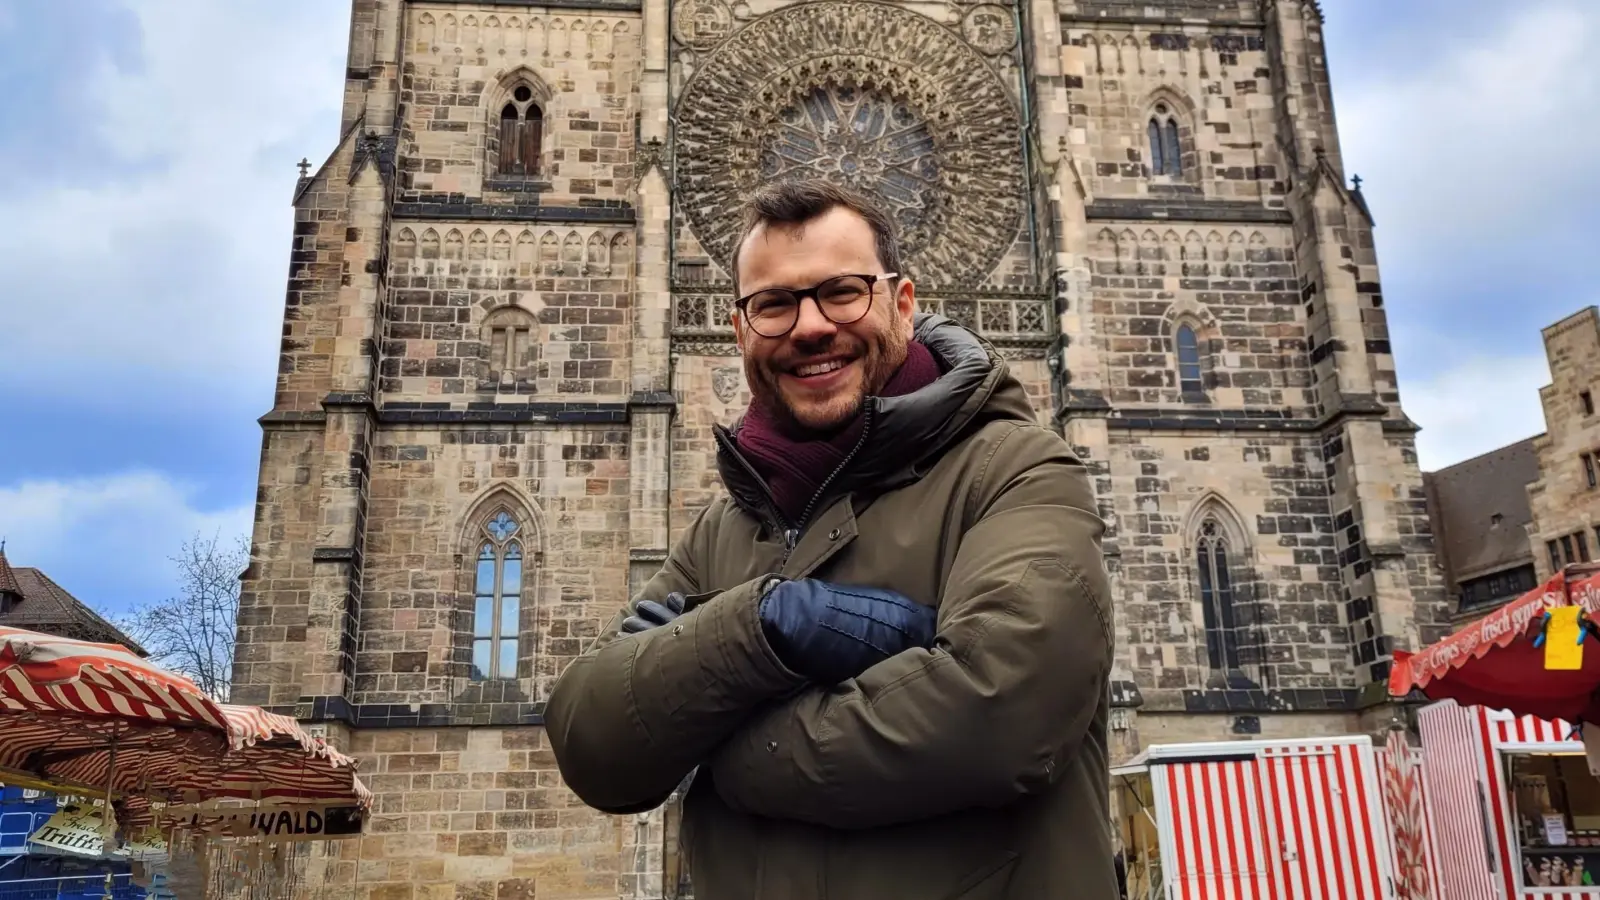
[(90, 715)]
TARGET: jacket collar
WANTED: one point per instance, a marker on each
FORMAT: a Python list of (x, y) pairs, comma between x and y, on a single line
[(905, 434)]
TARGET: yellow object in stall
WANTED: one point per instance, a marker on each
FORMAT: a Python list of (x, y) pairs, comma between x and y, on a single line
[(1561, 648)]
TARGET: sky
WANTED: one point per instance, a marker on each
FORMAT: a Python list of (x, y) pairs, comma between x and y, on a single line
[(147, 160)]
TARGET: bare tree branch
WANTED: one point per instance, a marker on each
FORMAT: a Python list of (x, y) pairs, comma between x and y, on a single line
[(193, 633)]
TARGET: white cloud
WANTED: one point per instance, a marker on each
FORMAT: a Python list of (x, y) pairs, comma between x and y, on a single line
[(1486, 148), (176, 274), (109, 540), (1476, 406)]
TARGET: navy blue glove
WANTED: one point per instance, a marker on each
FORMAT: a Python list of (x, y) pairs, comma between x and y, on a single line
[(830, 633), (650, 614)]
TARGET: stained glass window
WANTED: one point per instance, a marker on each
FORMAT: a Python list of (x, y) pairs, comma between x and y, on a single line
[(1189, 381), (497, 600)]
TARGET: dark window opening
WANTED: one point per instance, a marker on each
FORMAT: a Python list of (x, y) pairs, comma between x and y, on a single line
[(1189, 380), (1555, 555), (1588, 469), (1588, 403), (1216, 600), (1492, 590), (521, 131), (1166, 147), (1583, 545), (1566, 549)]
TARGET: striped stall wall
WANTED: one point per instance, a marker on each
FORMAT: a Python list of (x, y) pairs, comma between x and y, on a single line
[(1217, 831), (1410, 816), (1452, 766), (1299, 823), (1471, 809)]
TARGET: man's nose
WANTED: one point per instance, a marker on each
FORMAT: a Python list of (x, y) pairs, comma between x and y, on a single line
[(810, 324)]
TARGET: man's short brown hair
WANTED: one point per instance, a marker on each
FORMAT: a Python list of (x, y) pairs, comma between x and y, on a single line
[(799, 200)]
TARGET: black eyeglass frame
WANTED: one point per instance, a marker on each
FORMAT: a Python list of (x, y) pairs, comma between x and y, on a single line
[(815, 293)]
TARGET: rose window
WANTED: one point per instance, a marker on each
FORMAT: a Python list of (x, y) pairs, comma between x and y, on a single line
[(865, 140)]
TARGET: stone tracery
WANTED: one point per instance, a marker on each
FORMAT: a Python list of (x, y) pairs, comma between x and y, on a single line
[(874, 96)]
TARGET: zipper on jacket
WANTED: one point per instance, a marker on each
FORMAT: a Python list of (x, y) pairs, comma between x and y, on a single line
[(792, 537), (790, 531)]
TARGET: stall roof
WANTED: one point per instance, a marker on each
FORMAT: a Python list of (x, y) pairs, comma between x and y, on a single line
[(1169, 754)]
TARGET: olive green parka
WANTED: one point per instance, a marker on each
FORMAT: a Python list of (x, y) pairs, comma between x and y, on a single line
[(976, 769)]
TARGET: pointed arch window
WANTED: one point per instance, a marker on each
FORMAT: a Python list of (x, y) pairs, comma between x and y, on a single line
[(1166, 147), (497, 599), (1190, 383), (1216, 598), (521, 131)]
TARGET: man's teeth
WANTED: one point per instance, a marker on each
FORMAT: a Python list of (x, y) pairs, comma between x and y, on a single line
[(819, 368)]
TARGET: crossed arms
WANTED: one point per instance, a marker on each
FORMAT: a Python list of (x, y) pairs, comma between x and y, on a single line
[(1017, 670)]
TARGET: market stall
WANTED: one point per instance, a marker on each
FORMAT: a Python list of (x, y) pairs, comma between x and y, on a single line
[(1512, 782), (1255, 820), (149, 769)]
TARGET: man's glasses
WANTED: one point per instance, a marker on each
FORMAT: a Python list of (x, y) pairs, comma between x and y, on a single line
[(842, 299)]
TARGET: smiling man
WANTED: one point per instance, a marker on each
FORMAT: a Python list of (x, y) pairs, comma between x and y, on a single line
[(886, 650)]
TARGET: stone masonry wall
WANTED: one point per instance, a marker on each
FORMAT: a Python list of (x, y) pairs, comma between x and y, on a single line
[(457, 62), (478, 814), (431, 489), (1564, 504), (1216, 79), (1235, 287), (564, 291), (1269, 493), (275, 597)]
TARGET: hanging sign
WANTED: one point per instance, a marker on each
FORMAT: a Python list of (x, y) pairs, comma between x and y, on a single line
[(76, 828), (279, 823), (1563, 639)]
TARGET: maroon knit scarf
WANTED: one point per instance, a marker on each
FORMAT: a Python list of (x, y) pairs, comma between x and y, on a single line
[(795, 469)]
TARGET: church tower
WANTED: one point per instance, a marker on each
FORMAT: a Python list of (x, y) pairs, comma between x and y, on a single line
[(506, 339)]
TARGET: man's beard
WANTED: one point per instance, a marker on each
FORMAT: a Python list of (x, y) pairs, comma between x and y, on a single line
[(880, 358)]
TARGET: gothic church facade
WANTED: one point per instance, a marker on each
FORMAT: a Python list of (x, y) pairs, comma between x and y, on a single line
[(506, 340)]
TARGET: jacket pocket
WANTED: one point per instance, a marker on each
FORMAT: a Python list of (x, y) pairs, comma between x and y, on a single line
[(989, 882)]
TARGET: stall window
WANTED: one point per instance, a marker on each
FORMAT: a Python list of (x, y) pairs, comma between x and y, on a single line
[(1556, 810)]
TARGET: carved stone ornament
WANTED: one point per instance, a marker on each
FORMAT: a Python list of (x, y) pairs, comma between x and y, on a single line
[(701, 23), (726, 381), (990, 28), (873, 96)]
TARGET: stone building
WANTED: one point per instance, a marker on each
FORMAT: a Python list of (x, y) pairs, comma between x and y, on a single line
[(1508, 519), (1565, 500), (506, 340)]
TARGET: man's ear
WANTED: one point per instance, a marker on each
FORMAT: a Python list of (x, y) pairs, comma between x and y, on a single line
[(905, 300)]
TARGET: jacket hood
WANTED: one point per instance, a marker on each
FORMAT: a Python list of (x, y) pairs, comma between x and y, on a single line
[(905, 435)]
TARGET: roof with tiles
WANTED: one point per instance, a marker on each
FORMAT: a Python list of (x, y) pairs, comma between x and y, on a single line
[(30, 599), (1480, 510)]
